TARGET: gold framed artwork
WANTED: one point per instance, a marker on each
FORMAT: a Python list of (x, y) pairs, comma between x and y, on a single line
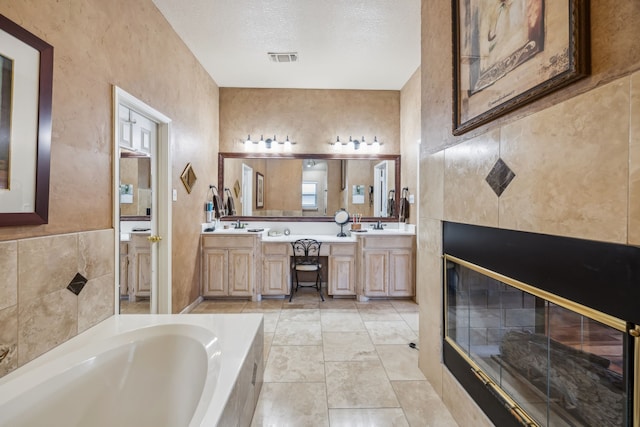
[(507, 53), (26, 84), (188, 178)]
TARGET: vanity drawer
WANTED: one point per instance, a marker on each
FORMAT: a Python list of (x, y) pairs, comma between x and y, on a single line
[(276, 248), (387, 242), (347, 249), (227, 242)]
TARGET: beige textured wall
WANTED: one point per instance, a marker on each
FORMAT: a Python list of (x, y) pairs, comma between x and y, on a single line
[(310, 117), (98, 44), (574, 153), (409, 137)]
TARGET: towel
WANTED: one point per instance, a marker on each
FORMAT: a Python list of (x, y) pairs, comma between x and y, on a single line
[(231, 209), (391, 204), (404, 205)]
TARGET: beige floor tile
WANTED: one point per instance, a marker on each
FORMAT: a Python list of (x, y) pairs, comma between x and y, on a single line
[(374, 304), (264, 305), (359, 385), (390, 332), (405, 305), (338, 304), (421, 404), (383, 417), (138, 307), (219, 306), (297, 333), (400, 362), (341, 321), (268, 339), (380, 314), (300, 315), (412, 320), (270, 320), (291, 405), (348, 346), (300, 363)]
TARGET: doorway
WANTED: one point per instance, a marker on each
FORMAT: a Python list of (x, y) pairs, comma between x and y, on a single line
[(144, 271)]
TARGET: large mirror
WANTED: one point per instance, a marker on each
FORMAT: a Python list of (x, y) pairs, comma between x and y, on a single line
[(135, 186), (282, 187)]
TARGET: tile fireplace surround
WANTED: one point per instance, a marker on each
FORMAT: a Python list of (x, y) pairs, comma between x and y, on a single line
[(542, 330)]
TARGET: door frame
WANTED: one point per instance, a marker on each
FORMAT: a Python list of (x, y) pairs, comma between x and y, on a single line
[(247, 190), (160, 297)]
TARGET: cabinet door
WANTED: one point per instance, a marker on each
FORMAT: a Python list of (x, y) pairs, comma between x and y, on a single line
[(143, 271), (341, 275), (124, 268), (240, 272), (376, 273), (275, 275), (401, 273), (214, 272)]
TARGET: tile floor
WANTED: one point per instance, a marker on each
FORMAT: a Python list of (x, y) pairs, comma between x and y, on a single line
[(340, 363)]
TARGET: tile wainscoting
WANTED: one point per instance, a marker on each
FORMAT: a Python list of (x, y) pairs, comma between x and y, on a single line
[(37, 311)]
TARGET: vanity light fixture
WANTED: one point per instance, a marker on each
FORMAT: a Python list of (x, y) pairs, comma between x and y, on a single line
[(356, 145), (268, 144)]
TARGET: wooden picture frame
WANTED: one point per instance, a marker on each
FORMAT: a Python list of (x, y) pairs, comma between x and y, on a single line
[(259, 190), (188, 178), (26, 83), (513, 53)]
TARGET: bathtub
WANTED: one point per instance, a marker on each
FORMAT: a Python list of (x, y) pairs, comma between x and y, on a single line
[(143, 370)]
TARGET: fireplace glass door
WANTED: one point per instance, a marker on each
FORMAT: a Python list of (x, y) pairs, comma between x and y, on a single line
[(557, 363)]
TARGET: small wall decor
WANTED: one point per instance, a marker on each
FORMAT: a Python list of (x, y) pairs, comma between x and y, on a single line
[(259, 190), (26, 82), (188, 178), (507, 54)]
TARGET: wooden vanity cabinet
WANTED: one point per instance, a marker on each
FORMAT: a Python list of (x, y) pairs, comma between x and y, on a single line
[(342, 269), (228, 266), (276, 268), (139, 268), (388, 266)]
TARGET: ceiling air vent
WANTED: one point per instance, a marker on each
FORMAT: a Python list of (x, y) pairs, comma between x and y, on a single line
[(283, 56)]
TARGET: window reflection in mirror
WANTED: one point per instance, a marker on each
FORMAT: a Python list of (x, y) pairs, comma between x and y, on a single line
[(316, 186)]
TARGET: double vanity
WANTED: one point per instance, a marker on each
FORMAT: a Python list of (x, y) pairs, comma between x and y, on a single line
[(255, 261)]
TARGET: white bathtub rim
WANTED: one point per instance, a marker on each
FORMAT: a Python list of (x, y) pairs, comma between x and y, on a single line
[(234, 335)]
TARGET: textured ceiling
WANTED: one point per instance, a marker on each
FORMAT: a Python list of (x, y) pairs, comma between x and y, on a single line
[(342, 44)]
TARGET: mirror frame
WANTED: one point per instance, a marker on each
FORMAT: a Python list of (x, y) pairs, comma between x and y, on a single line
[(283, 156)]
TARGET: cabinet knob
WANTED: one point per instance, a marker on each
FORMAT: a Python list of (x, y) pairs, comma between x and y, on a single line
[(154, 239)]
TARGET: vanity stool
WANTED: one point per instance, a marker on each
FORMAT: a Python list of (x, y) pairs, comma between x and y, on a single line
[(306, 257)]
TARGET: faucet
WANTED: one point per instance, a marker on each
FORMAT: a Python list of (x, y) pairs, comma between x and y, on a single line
[(238, 225), (379, 225)]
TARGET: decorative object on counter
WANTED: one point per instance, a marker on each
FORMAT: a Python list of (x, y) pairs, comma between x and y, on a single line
[(287, 231), (26, 64), (259, 190), (507, 54), (188, 178), (268, 144), (306, 257), (274, 233), (357, 222), (356, 145), (341, 218), (208, 208), (404, 205)]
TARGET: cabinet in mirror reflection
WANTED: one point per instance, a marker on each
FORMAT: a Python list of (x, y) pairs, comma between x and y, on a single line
[(314, 187)]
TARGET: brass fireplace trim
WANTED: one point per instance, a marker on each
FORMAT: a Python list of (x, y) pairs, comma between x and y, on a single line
[(596, 315), (515, 409)]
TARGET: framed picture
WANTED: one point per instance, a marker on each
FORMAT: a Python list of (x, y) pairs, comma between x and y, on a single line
[(26, 81), (259, 190), (509, 53)]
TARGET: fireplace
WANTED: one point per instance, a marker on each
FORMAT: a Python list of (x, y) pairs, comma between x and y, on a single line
[(542, 330)]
